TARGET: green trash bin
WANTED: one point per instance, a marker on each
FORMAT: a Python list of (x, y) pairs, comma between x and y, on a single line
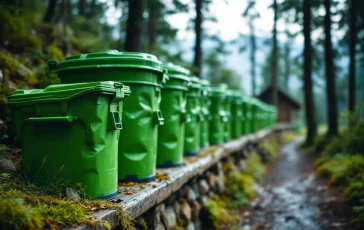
[(70, 133), (205, 106), (236, 114), (246, 110), (248, 114), (145, 75), (173, 107), (218, 116), (227, 108), (254, 115), (193, 110)]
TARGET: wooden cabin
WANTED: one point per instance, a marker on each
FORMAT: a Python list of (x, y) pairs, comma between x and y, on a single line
[(287, 106)]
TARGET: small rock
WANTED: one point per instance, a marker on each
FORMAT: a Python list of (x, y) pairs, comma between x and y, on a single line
[(220, 169), (7, 166), (185, 212), (160, 208), (289, 218), (196, 188), (177, 207), (190, 226), (203, 199), (204, 187), (169, 217), (152, 217), (160, 226), (242, 165), (220, 185), (212, 180), (140, 222), (195, 212), (72, 194), (198, 225), (183, 191), (191, 195), (171, 198)]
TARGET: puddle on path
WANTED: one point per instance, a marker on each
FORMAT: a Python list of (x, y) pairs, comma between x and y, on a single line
[(292, 196)]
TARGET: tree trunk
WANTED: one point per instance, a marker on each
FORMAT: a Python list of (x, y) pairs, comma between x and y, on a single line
[(287, 57), (275, 57), (51, 11), (330, 76), (92, 8), (152, 24), (134, 29), (198, 32), (252, 55), (81, 7), (352, 45), (307, 79)]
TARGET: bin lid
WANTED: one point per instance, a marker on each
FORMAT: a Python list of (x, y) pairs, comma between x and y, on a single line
[(108, 59), (237, 96), (176, 71), (218, 92), (205, 87), (195, 82), (63, 92)]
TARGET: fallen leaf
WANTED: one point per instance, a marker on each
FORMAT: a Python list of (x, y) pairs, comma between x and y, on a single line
[(130, 192)]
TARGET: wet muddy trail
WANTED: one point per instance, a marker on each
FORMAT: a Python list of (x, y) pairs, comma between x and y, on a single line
[(292, 196)]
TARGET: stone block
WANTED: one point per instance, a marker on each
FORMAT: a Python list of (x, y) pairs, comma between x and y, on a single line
[(169, 217)]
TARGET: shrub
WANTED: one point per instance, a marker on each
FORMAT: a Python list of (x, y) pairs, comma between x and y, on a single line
[(342, 168)]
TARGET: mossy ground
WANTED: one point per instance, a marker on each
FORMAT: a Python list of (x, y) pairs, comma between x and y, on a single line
[(26, 206), (341, 159)]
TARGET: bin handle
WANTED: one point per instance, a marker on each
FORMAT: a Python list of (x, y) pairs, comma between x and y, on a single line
[(115, 121), (68, 118), (165, 77), (158, 118)]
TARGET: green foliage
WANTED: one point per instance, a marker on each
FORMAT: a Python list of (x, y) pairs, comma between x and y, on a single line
[(254, 166), (342, 168), (342, 160), (221, 215), (14, 214), (271, 146)]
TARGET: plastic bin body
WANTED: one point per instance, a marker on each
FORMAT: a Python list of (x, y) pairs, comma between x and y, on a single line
[(227, 108), (173, 107), (205, 111), (236, 115), (193, 110), (145, 75), (70, 133), (218, 116)]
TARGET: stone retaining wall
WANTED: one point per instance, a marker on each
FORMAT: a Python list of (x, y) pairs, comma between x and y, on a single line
[(181, 192)]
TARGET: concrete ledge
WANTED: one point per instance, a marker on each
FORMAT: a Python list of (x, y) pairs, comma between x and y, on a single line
[(156, 192)]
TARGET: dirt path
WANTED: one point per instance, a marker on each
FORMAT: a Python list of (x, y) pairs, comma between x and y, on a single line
[(292, 196)]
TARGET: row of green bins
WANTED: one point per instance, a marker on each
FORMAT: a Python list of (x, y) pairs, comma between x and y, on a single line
[(205, 107), (237, 117), (70, 133), (173, 106), (218, 115), (145, 75), (193, 109)]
